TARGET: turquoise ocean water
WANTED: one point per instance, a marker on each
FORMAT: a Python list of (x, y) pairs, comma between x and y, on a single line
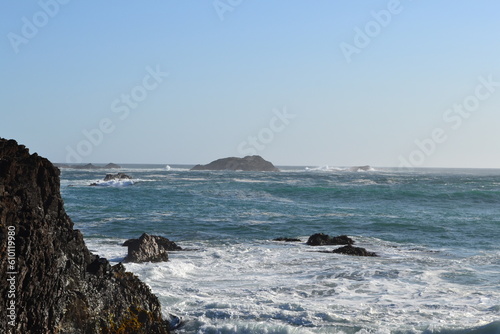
[(437, 233)]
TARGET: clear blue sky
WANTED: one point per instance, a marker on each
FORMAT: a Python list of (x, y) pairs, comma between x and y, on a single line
[(324, 82)]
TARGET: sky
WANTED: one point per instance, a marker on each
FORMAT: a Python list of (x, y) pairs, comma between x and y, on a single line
[(308, 83)]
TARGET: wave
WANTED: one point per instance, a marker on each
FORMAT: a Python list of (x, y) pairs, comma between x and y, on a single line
[(341, 169), (491, 328), (169, 168), (289, 289), (114, 183)]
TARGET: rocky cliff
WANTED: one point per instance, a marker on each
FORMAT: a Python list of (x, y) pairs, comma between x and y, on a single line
[(49, 281), (249, 163)]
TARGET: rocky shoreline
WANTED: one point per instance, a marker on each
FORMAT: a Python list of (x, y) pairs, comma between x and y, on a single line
[(55, 284), (58, 284)]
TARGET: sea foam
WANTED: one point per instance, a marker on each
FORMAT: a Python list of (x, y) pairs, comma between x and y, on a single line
[(272, 287)]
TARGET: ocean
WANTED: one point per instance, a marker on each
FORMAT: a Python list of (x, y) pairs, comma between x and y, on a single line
[(436, 232)]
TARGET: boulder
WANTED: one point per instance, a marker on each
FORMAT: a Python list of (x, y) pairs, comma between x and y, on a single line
[(59, 285), (253, 163), (149, 248), (320, 239)]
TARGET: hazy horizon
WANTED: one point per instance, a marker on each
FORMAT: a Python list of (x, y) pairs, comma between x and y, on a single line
[(380, 83), (125, 165)]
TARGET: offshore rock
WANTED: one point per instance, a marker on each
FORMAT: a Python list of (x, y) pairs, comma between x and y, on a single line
[(351, 250), (59, 286), (149, 248), (286, 239), (112, 166), (254, 163), (117, 176), (320, 239)]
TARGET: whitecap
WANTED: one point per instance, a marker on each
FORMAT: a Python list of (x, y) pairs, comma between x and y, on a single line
[(114, 183)]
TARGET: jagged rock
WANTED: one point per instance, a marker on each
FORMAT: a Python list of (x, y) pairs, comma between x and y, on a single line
[(351, 250), (249, 163), (60, 287), (112, 166), (149, 248), (320, 239), (287, 239), (117, 176)]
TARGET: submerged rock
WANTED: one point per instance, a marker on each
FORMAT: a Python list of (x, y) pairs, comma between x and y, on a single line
[(287, 239), (117, 176), (351, 250), (149, 248), (118, 179), (59, 285), (249, 163), (320, 239)]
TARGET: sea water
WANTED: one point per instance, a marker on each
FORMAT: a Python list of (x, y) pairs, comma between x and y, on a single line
[(436, 233)]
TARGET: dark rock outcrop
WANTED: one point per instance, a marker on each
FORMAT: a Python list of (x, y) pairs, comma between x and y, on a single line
[(59, 286), (249, 163), (351, 250), (287, 239), (149, 248), (113, 177), (320, 239), (112, 166), (117, 176), (87, 166)]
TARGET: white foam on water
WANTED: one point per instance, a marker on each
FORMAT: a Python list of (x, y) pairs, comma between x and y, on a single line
[(114, 183), (323, 169), (249, 180), (340, 169), (276, 287)]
